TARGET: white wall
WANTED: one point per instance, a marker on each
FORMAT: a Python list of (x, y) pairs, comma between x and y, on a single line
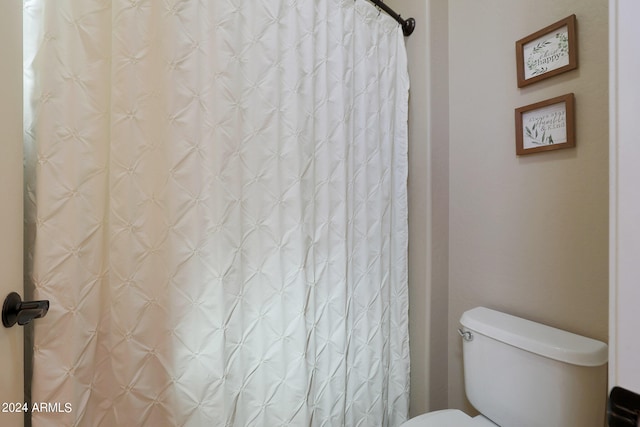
[(625, 203)]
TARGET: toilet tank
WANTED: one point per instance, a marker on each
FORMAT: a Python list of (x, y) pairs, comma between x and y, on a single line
[(520, 373)]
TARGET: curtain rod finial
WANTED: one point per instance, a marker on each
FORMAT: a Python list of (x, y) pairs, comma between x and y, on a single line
[(408, 26)]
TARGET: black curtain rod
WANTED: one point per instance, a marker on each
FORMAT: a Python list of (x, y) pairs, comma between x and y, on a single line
[(408, 25)]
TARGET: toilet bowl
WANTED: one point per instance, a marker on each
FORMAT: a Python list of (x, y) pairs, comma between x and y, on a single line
[(448, 418), (519, 373)]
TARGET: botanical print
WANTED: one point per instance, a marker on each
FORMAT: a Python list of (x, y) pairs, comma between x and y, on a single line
[(547, 53), (545, 126)]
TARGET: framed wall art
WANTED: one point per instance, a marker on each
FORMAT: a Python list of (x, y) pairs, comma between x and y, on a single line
[(546, 125), (548, 52)]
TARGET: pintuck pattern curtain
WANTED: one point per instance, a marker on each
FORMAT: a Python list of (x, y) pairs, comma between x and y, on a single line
[(216, 209)]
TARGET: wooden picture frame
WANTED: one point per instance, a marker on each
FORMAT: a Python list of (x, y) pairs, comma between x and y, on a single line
[(546, 125), (548, 52)]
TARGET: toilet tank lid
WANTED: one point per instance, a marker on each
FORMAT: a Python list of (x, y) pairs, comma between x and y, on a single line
[(535, 337)]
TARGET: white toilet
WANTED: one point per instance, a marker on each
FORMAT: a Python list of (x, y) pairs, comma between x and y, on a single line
[(520, 373)]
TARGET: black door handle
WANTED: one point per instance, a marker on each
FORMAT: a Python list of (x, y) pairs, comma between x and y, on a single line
[(14, 310)]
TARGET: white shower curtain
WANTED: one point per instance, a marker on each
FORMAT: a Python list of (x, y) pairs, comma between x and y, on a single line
[(216, 210)]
